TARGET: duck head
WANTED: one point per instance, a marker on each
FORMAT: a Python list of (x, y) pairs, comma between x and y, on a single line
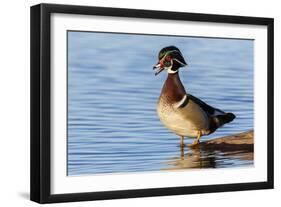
[(170, 59)]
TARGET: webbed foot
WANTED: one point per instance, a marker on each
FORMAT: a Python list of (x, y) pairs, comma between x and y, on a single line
[(195, 143)]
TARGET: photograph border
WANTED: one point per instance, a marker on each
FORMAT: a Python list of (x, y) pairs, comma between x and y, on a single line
[(40, 157)]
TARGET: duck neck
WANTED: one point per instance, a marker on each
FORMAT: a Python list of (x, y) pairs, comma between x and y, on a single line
[(173, 87), (174, 75)]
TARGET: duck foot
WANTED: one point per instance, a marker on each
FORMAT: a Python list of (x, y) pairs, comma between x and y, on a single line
[(194, 144)]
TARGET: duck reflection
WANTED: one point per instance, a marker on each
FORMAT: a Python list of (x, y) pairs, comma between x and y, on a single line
[(194, 158), (207, 156)]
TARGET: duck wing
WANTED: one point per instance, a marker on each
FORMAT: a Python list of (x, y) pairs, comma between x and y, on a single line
[(202, 115), (219, 117), (205, 107)]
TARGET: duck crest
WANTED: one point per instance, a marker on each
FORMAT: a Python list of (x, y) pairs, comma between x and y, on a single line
[(173, 91)]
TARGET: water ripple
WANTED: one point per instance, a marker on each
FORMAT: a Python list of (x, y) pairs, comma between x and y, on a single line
[(112, 96)]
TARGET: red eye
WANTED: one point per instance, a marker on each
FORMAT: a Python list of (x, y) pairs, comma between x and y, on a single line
[(168, 58)]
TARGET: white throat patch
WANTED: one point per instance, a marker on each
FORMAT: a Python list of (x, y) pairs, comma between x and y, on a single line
[(171, 71)]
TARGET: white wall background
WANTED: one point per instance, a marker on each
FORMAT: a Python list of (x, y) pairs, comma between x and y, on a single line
[(14, 104)]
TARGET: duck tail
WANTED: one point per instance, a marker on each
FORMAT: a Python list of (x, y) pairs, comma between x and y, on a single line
[(223, 119)]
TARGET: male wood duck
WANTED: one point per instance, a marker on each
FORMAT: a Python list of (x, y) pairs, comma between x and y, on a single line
[(182, 113)]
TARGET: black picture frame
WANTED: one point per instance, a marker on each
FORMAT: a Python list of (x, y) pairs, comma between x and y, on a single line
[(41, 97)]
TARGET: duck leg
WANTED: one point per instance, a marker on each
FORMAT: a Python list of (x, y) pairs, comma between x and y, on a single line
[(182, 141), (196, 142), (182, 153)]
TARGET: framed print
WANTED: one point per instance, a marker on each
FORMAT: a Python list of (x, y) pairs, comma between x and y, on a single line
[(133, 103)]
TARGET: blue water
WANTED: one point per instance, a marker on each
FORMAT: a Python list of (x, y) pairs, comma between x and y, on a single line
[(112, 94)]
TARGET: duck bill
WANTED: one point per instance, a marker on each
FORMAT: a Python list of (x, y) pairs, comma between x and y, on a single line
[(158, 69)]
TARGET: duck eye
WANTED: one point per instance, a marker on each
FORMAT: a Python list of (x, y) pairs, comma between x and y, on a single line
[(167, 63), (168, 58)]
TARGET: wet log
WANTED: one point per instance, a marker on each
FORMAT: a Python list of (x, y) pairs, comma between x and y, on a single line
[(242, 141)]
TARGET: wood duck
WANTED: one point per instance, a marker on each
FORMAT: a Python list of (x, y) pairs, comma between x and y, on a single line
[(183, 113)]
